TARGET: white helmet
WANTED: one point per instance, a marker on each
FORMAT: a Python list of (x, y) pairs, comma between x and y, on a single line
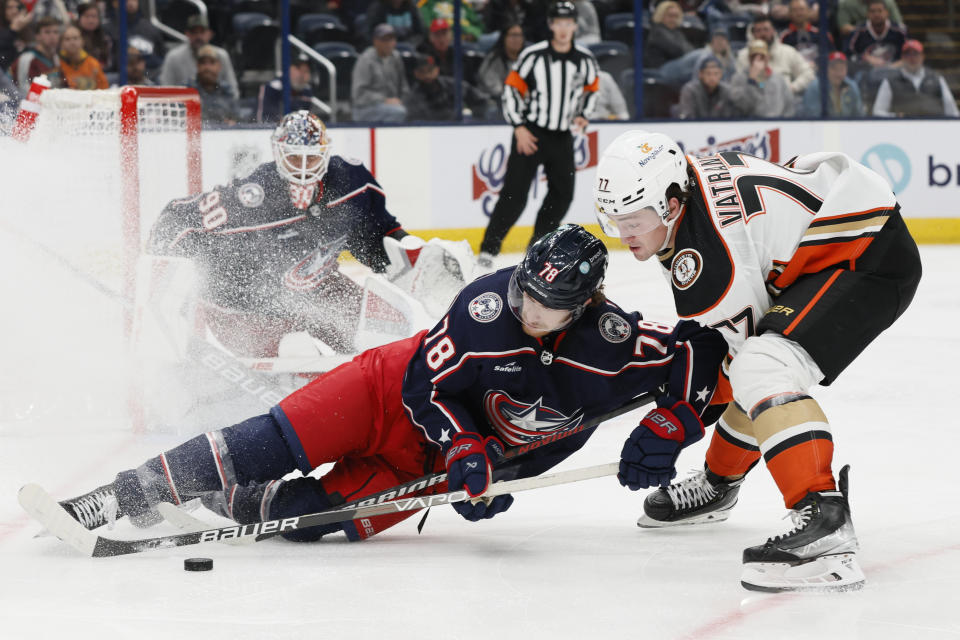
[(301, 148), (634, 173)]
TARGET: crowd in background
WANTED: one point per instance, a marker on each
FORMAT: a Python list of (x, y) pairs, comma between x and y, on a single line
[(703, 59)]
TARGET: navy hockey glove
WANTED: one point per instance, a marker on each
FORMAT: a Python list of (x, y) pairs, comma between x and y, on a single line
[(470, 460), (651, 451)]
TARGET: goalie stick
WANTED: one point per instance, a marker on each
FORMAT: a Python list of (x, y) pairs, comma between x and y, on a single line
[(39, 504)]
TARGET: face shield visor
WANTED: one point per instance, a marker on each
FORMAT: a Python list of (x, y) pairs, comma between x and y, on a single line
[(535, 316), (633, 224)]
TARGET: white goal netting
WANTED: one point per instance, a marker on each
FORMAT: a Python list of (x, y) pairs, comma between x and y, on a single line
[(97, 177)]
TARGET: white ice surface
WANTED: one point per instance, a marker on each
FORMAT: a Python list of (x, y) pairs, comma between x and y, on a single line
[(565, 562)]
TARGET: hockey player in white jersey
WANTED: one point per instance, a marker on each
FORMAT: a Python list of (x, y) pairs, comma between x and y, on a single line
[(800, 267)]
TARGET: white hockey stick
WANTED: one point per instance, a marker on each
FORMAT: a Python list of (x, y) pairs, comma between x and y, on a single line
[(46, 510)]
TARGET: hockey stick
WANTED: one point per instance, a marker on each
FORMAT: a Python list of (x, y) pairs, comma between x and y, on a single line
[(187, 522), (39, 504)]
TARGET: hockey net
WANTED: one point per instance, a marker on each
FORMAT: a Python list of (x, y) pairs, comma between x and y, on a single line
[(100, 165)]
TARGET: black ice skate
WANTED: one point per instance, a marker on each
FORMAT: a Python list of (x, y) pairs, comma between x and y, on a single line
[(819, 554), (96, 508), (701, 498)]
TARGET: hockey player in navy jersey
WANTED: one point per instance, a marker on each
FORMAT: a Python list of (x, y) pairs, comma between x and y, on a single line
[(523, 353), (266, 245), (800, 267)]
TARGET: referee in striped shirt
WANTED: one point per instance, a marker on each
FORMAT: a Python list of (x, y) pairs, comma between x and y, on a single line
[(552, 88)]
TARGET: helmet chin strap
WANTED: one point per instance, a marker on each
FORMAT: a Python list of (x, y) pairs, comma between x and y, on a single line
[(669, 224)]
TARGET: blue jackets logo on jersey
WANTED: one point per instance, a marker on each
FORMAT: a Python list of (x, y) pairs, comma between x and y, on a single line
[(486, 307), (250, 195), (614, 328), (520, 423)]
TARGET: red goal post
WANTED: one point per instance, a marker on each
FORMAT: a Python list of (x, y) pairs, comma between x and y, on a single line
[(137, 106)]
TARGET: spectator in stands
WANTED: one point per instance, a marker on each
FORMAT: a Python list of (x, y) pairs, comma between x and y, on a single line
[(665, 41), (844, 99), (779, 11), (498, 62), (43, 8), (610, 105), (217, 101), (379, 81), (471, 23), (180, 65), (137, 68), (876, 43), (439, 45), (680, 71), (782, 58), (79, 69), (760, 91), (801, 34), (140, 34), (14, 27), (270, 97), (719, 47), (531, 14), (853, 13), (707, 96), (96, 42), (722, 13), (914, 90), (40, 58), (402, 15), (588, 24), (498, 14), (432, 95)]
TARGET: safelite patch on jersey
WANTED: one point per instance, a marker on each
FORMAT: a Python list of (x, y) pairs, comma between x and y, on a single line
[(686, 268), (250, 195), (486, 307), (613, 328)]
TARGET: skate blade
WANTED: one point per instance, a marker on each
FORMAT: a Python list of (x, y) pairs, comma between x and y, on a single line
[(647, 522), (839, 572)]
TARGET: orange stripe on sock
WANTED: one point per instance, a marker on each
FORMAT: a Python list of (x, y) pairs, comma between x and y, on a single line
[(727, 459), (810, 305), (803, 468)]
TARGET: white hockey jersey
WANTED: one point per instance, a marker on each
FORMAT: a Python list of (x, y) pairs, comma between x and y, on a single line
[(754, 227)]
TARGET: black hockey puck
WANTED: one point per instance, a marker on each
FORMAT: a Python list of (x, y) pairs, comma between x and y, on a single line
[(198, 564)]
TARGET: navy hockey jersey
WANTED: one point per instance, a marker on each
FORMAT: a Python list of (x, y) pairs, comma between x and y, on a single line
[(251, 241), (478, 371)]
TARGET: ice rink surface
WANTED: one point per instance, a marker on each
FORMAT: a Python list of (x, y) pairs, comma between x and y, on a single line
[(564, 562)]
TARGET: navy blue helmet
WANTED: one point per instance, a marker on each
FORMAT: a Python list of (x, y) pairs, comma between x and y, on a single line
[(563, 269)]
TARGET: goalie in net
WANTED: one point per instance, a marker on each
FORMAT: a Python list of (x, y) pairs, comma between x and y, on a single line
[(265, 250)]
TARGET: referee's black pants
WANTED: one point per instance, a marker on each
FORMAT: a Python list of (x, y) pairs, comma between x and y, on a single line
[(555, 153)]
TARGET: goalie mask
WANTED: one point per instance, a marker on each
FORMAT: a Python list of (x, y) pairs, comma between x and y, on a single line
[(633, 176), (301, 148), (559, 274)]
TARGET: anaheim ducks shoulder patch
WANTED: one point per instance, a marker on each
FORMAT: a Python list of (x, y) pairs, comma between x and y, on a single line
[(686, 268)]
